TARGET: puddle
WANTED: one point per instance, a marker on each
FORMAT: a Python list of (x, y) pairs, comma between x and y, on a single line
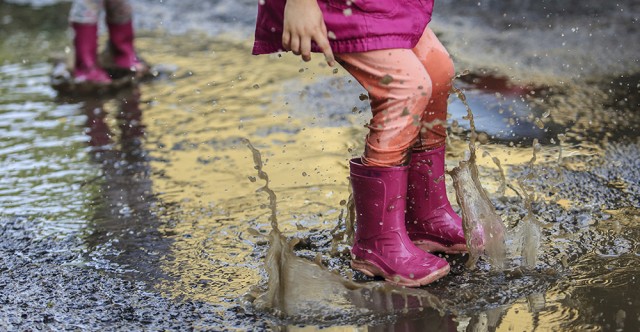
[(503, 111), (162, 188)]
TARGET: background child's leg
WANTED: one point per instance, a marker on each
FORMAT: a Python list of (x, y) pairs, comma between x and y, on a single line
[(85, 11), (118, 11), (439, 65), (121, 39), (399, 89), (84, 17)]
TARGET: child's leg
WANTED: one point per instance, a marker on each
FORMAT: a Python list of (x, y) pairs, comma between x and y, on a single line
[(431, 222), (84, 20), (399, 89), (435, 58), (85, 11), (118, 11), (121, 39)]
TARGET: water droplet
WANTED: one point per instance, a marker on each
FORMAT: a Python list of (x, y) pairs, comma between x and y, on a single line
[(386, 79)]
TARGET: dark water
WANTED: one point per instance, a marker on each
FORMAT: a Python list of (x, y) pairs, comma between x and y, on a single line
[(160, 184)]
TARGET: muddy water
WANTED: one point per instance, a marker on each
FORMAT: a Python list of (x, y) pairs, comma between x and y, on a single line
[(162, 187), (484, 230), (305, 290)]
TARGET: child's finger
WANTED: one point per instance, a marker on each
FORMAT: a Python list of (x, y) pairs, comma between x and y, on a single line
[(305, 48), (286, 41), (295, 45), (323, 44), (326, 47)]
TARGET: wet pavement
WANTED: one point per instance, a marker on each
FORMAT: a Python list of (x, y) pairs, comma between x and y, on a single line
[(144, 210)]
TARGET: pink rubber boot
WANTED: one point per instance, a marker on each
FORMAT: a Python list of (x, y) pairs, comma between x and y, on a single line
[(432, 224), (122, 50), (86, 64), (381, 245)]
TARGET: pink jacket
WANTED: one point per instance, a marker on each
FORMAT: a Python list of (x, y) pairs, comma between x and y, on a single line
[(353, 25)]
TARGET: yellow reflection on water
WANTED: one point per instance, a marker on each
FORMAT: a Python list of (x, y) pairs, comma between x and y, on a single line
[(196, 122)]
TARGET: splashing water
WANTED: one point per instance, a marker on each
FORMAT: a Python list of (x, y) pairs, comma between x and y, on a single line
[(344, 232), (483, 227), (304, 289), (527, 231), (503, 179)]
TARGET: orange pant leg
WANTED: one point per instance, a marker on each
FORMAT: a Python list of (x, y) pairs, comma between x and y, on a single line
[(399, 90), (439, 65), (408, 91)]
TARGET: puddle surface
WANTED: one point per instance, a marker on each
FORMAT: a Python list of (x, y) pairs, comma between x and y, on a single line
[(159, 183)]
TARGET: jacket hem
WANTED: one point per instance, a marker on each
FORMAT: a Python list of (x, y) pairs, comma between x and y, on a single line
[(348, 46)]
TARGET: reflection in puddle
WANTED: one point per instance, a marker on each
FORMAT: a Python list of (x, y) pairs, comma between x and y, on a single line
[(503, 110), (124, 233)]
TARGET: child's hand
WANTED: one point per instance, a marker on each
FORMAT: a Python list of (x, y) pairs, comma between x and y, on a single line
[(303, 22)]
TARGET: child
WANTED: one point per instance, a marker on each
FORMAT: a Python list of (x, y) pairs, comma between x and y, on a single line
[(84, 20), (402, 210)]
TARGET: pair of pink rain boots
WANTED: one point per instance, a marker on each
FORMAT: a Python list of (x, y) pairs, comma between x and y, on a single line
[(87, 69), (402, 214)]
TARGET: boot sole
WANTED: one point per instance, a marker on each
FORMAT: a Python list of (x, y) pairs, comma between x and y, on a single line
[(373, 270), (430, 246)]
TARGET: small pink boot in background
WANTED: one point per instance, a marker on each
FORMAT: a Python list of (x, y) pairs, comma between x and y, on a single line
[(122, 51), (86, 68)]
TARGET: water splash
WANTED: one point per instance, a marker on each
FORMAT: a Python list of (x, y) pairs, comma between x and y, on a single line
[(503, 178), (257, 160), (306, 290), (345, 229), (527, 232), (530, 235), (483, 227)]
